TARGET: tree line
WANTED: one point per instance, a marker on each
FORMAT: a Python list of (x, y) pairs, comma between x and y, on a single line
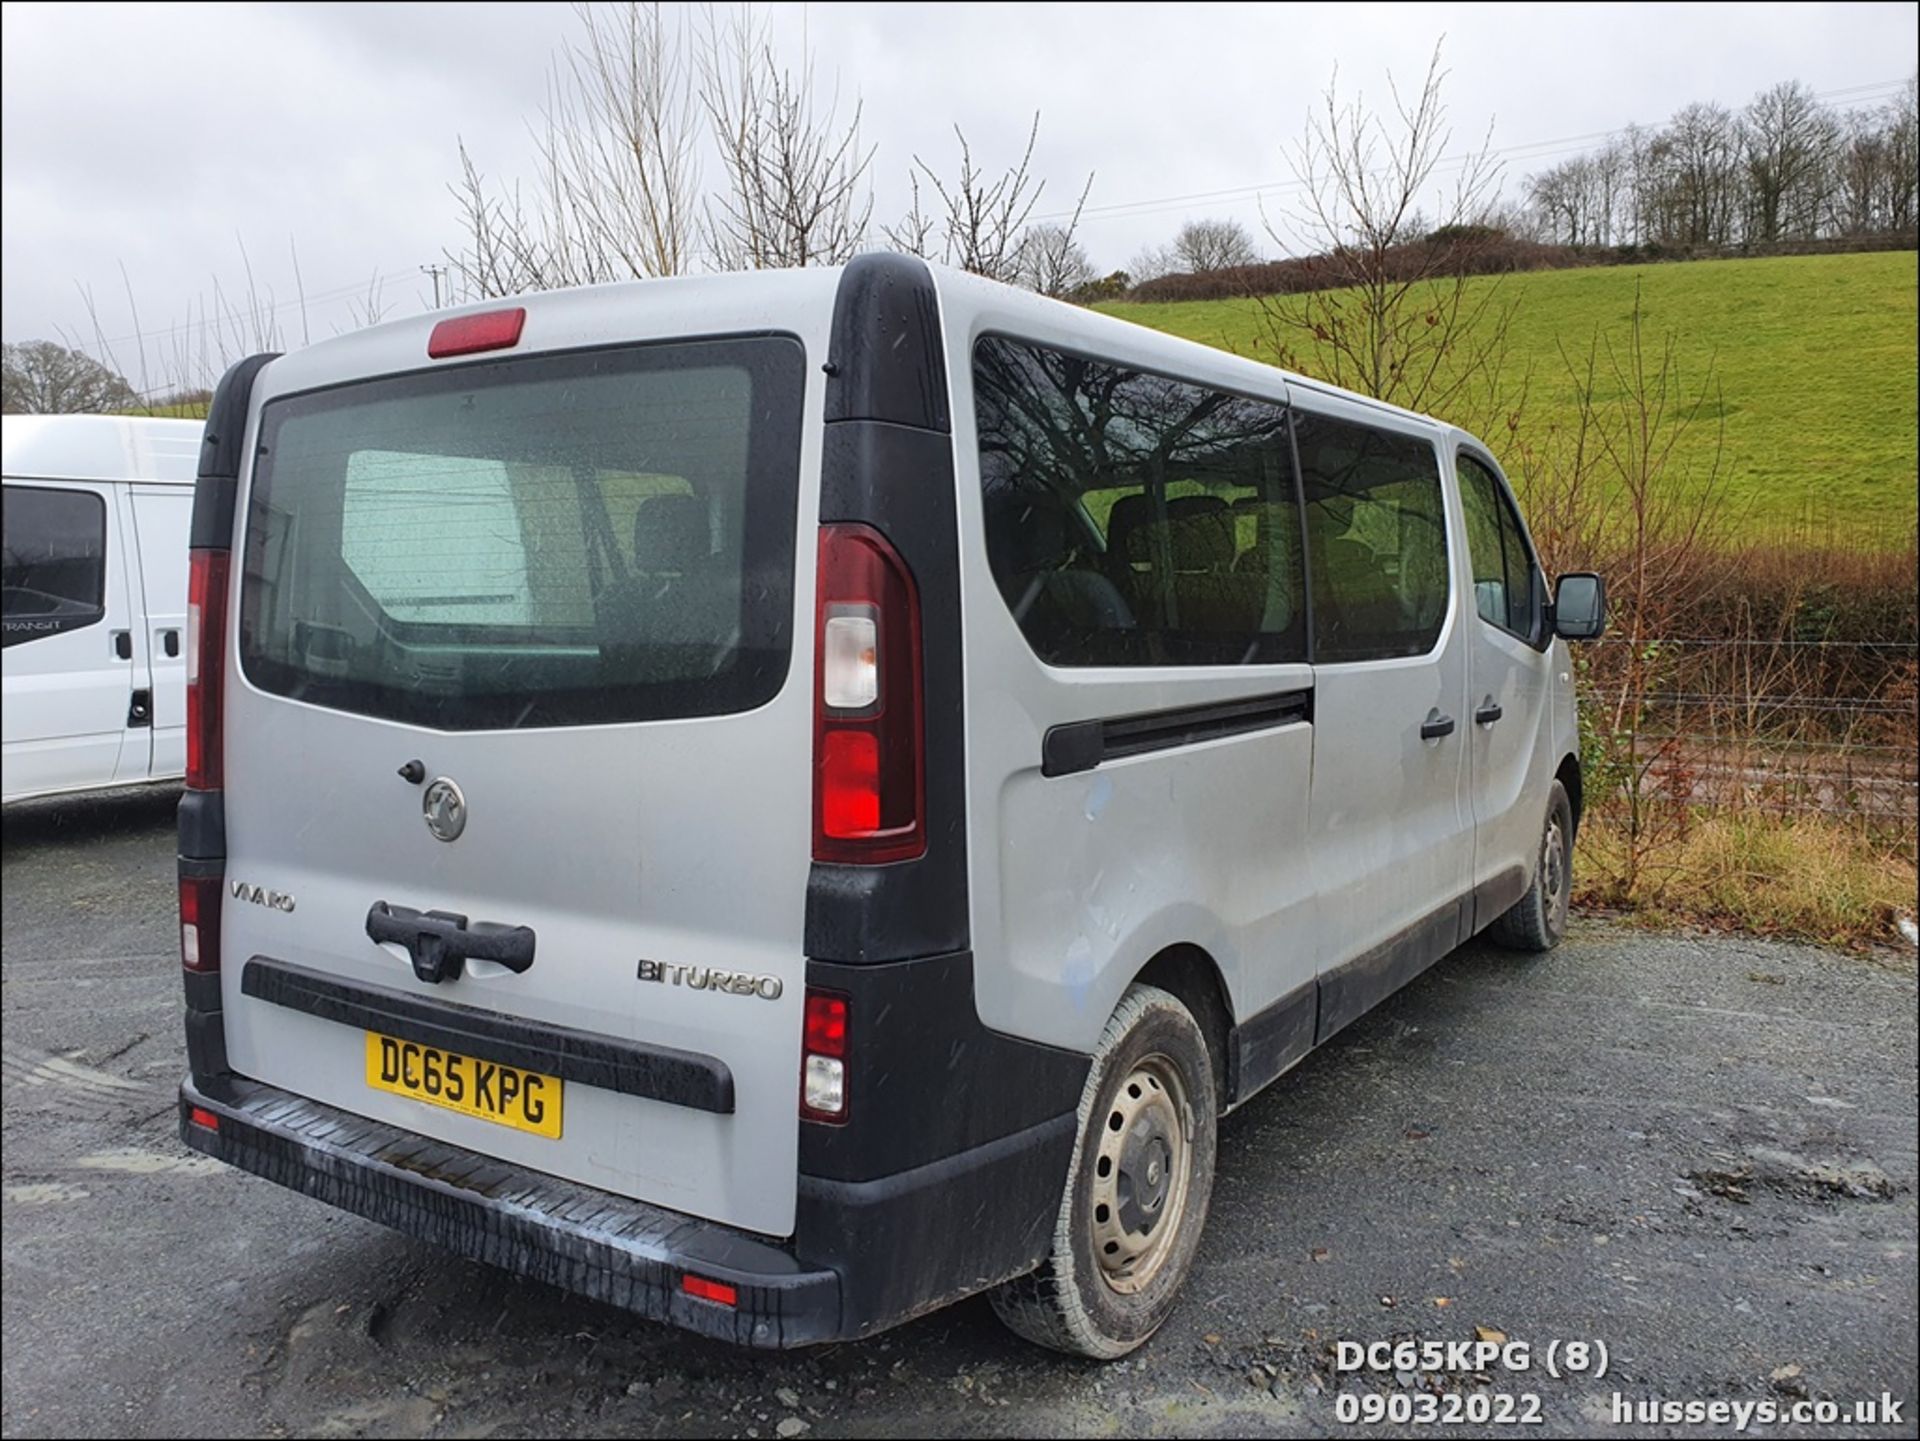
[(1787, 167)]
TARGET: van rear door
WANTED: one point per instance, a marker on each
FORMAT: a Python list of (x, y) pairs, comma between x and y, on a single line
[(160, 517), (517, 764)]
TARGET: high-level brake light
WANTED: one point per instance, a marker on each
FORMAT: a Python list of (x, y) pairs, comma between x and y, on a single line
[(468, 334)]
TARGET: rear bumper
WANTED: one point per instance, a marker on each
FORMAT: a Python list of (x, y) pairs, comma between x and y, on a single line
[(888, 1249), (612, 1249)]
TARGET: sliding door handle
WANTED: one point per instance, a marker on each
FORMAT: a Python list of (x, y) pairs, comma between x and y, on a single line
[(1488, 713), (1436, 725)]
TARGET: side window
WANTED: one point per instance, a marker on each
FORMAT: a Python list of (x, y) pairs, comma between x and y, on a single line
[(1377, 535), (1507, 588), (55, 562), (1136, 519)]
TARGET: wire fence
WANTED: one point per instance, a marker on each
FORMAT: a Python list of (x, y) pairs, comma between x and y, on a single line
[(1782, 726)]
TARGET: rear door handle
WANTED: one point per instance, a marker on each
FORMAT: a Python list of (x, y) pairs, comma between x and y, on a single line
[(440, 942), (1436, 725), (1488, 713), (170, 642)]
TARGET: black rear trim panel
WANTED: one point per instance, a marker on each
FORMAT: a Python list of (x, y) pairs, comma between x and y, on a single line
[(657, 1073), (885, 359), (929, 1080), (221, 460), (887, 461), (1083, 745)]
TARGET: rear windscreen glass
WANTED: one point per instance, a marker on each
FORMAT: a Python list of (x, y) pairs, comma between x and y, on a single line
[(557, 540)]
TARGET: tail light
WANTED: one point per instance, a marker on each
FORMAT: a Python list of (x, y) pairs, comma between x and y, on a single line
[(823, 1060), (206, 666), (206, 689), (869, 781), (200, 922)]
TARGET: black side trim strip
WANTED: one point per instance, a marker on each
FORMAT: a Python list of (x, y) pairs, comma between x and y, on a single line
[(1082, 745), (220, 457), (1265, 1045), (658, 1073), (1497, 895), (1348, 992)]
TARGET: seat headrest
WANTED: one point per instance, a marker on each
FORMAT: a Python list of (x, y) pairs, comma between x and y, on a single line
[(1201, 530), (670, 533), (1038, 531), (1127, 528)]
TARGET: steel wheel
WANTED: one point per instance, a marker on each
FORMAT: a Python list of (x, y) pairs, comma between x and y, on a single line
[(1141, 1175), (1556, 875)]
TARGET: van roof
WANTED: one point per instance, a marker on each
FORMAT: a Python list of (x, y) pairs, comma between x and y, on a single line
[(100, 447), (595, 315)]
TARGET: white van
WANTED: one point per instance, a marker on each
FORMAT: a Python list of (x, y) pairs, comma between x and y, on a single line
[(778, 801), (95, 600)]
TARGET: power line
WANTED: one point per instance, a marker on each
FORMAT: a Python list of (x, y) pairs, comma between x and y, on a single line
[(1844, 98), (244, 313)]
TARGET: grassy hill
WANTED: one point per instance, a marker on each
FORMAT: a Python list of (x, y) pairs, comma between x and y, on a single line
[(1815, 355)]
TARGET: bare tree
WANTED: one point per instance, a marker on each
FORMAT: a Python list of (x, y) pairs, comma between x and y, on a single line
[(1152, 262), (42, 378), (1789, 143), (797, 191), (1901, 129), (1203, 245), (1634, 489), (1402, 321), (1052, 262), (981, 224), (615, 194)]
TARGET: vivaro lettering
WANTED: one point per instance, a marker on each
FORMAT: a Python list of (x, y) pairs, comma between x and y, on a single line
[(262, 896)]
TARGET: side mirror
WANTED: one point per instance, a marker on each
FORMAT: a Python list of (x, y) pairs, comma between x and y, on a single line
[(1580, 606)]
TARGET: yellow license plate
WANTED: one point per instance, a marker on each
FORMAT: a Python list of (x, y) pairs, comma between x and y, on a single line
[(505, 1095)]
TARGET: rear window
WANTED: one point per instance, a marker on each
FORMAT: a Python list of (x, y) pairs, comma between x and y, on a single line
[(556, 540)]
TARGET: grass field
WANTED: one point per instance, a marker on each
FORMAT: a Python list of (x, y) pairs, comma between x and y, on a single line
[(1815, 357)]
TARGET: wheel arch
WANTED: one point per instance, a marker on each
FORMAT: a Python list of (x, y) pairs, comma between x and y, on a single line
[(1189, 973), (1569, 777)]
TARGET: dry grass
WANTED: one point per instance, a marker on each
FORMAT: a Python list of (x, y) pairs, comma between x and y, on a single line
[(1804, 877)]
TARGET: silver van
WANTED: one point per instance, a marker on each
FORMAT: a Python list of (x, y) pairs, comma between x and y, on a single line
[(779, 801)]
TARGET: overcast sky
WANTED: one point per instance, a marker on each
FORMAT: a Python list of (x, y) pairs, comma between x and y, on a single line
[(161, 137)]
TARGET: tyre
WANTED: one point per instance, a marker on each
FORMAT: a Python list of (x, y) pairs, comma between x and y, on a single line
[(1137, 1191), (1538, 919)]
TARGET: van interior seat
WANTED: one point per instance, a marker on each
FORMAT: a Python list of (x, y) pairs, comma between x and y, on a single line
[(675, 593), (1202, 588), (670, 535), (1353, 593), (1053, 580)]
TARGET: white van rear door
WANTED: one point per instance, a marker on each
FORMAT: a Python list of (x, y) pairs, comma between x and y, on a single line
[(516, 642), (160, 518)]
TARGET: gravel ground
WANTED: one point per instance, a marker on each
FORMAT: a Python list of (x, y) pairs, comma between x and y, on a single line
[(1700, 1151)]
